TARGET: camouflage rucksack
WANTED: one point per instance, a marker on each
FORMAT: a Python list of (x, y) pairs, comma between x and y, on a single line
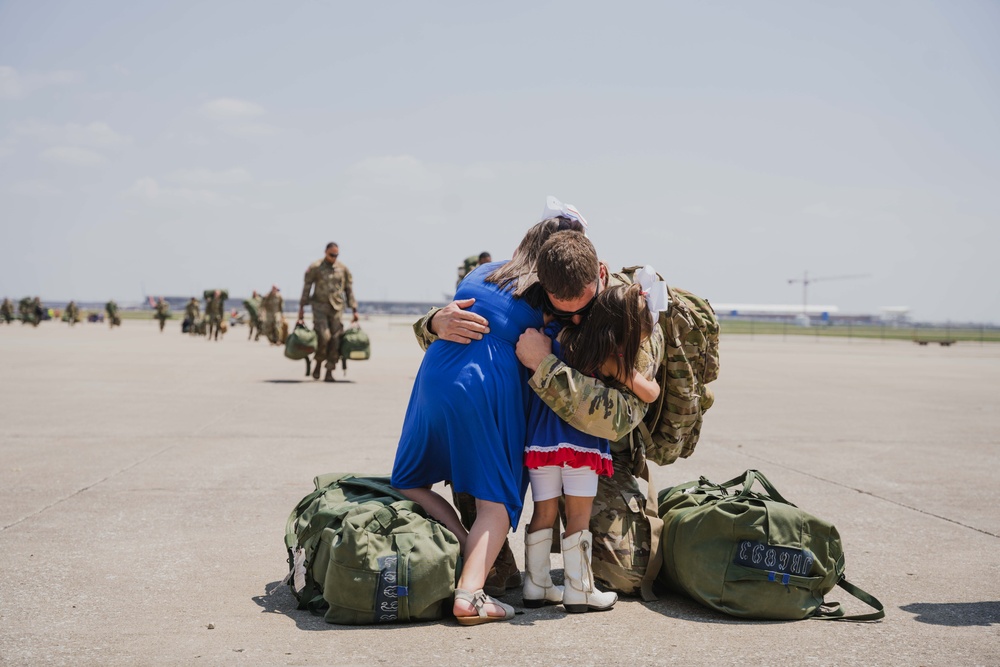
[(672, 424)]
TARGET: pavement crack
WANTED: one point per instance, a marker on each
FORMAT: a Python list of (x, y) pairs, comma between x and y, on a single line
[(866, 492)]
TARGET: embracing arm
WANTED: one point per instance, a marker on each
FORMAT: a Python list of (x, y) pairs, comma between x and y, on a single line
[(586, 403), (452, 323)]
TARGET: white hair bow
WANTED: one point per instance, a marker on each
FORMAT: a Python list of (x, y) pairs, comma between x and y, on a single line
[(556, 209), (654, 289)]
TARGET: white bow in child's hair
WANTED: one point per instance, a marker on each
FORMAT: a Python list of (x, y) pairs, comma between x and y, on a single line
[(556, 209), (654, 289)]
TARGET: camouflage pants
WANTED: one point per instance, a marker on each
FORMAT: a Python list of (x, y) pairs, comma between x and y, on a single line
[(272, 327), (329, 331), (621, 529)]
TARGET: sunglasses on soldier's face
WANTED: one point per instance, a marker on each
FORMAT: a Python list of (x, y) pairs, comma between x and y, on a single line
[(332, 255), (568, 315)]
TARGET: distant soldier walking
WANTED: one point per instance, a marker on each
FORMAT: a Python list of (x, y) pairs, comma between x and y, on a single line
[(215, 309), (162, 312), (273, 306), (191, 313), (111, 308), (72, 313), (253, 306), (6, 311), (333, 291)]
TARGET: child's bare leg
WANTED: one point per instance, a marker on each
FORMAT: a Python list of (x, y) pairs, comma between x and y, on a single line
[(544, 515), (578, 510)]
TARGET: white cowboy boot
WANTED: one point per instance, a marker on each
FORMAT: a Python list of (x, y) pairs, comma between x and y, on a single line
[(538, 589), (579, 593)]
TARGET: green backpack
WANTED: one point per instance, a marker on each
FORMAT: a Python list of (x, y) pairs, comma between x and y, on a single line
[(752, 554), (355, 345), (672, 425), (300, 343), (360, 553)]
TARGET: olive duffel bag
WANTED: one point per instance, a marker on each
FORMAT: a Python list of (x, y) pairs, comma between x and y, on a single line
[(752, 553)]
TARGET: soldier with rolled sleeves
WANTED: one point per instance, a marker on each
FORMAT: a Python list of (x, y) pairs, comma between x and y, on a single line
[(328, 289), (273, 306), (215, 311), (623, 538)]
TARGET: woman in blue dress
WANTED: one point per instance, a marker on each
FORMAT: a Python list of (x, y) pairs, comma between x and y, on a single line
[(466, 420)]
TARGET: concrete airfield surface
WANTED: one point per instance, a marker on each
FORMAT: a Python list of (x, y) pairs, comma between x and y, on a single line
[(145, 480)]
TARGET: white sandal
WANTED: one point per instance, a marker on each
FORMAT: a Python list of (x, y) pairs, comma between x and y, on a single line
[(479, 600)]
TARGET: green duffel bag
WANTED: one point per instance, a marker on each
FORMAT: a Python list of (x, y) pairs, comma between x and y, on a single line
[(300, 343), (355, 345), (752, 554), (359, 553)]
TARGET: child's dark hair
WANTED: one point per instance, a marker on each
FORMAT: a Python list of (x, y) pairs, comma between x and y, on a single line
[(615, 327)]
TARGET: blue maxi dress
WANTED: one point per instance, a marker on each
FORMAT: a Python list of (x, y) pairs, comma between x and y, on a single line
[(467, 417)]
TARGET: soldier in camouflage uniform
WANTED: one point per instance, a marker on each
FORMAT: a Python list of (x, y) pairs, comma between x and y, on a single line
[(253, 305), (625, 535), (72, 313), (215, 310), (334, 289), (6, 311), (192, 311), (111, 308), (162, 312), (273, 308)]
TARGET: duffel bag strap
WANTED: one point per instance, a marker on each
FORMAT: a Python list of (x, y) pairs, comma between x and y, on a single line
[(836, 612)]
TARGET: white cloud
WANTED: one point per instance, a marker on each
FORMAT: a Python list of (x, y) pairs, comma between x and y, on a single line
[(92, 135), (201, 176), (228, 108), (150, 190), (250, 129), (33, 189), (73, 156), (15, 85)]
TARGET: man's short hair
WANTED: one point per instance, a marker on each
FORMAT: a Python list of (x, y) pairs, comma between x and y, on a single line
[(567, 264), (332, 244)]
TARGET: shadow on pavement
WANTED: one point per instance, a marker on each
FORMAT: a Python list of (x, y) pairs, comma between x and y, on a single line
[(684, 609), (955, 614), (278, 599)]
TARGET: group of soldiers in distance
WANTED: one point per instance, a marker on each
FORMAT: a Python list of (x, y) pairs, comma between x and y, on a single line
[(265, 314)]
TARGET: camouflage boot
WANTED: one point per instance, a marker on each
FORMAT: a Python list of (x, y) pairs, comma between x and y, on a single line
[(504, 574)]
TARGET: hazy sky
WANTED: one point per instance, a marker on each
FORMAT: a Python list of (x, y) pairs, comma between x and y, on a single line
[(174, 146)]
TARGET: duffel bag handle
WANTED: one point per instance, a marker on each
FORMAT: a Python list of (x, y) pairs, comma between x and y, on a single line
[(751, 476), (837, 613)]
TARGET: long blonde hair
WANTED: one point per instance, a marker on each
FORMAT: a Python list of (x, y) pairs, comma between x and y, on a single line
[(520, 273)]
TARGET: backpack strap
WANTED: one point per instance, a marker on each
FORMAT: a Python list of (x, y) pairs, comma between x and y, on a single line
[(641, 470), (836, 612)]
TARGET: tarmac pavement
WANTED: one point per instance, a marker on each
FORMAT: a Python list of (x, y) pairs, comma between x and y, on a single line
[(145, 480)]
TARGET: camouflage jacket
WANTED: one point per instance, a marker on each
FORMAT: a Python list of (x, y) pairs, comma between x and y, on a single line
[(192, 310), (334, 286), (273, 304), (162, 309), (584, 402), (215, 306)]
